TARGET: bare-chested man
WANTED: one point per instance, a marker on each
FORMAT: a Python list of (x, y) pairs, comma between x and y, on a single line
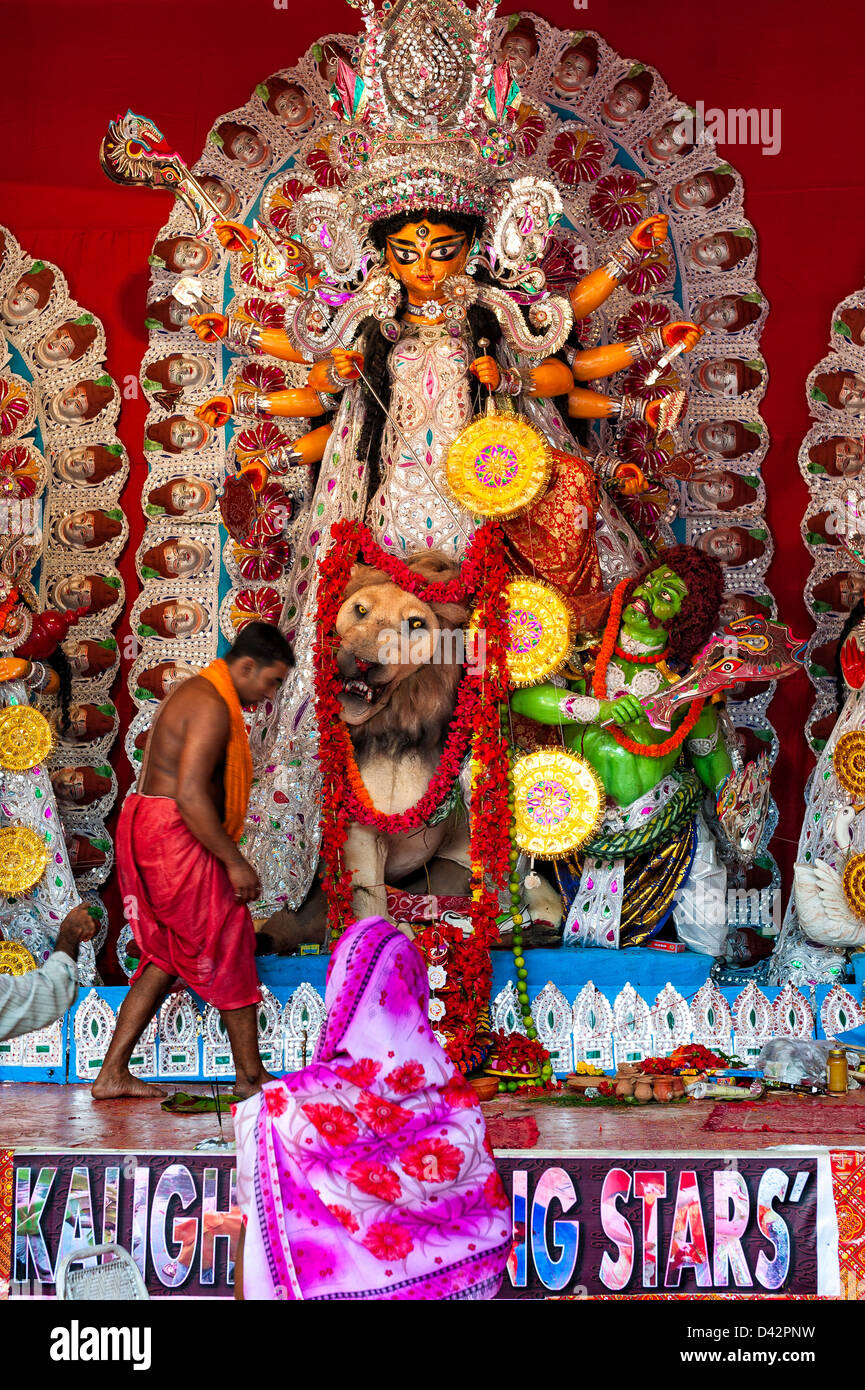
[(185, 883)]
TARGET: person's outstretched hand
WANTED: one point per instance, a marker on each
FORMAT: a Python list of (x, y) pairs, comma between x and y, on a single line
[(77, 926)]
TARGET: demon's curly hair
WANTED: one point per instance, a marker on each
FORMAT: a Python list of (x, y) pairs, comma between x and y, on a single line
[(704, 577), (482, 323)]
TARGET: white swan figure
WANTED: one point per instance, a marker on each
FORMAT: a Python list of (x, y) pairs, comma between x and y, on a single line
[(825, 916)]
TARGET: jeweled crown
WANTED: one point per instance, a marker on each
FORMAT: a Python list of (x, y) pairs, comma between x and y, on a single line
[(427, 111)]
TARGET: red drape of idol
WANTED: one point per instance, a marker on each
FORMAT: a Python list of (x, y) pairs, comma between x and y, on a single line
[(69, 68)]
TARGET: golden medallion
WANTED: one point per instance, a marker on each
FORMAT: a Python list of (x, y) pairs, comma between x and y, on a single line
[(25, 738), (854, 883), (540, 631), (15, 959), (559, 802), (498, 465), (848, 760), (23, 857)]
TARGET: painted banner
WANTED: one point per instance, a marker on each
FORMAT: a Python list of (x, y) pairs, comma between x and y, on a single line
[(584, 1226)]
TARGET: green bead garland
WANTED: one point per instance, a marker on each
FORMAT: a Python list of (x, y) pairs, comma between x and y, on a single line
[(517, 918)]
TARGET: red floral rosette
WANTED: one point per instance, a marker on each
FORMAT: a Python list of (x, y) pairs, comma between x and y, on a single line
[(264, 560), (634, 381), (650, 274), (530, 126), (282, 203), (256, 443), (15, 406), (638, 444), (262, 311), (576, 157), (262, 605), (643, 315), (320, 163), (615, 202), (264, 376), (20, 472)]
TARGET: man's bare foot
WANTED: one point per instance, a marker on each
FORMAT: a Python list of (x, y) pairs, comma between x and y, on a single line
[(246, 1088), (125, 1086)]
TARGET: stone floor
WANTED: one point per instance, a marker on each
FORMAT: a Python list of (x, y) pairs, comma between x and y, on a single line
[(46, 1118)]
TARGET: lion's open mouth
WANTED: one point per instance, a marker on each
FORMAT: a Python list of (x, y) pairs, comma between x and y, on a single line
[(359, 688)]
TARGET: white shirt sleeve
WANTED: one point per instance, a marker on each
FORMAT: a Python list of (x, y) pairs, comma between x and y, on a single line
[(31, 1001)]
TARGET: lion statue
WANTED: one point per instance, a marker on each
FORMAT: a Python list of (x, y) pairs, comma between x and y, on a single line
[(400, 667)]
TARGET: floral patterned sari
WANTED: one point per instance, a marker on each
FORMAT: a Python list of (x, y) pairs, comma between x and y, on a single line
[(368, 1175)]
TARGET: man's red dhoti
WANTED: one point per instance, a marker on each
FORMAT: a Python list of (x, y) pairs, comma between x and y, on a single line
[(181, 906)]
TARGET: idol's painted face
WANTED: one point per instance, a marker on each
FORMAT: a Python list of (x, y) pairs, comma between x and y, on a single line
[(573, 71), (188, 434), (852, 393), (57, 346), (76, 465), (623, 103), (710, 253), (189, 371), (717, 436), (655, 602), (292, 106), (713, 492), (184, 558), (248, 149), (849, 456), (190, 495), (723, 544), (694, 192), (190, 255), (423, 255), (70, 404)]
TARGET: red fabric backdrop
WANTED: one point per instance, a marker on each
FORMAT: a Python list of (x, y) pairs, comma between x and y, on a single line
[(70, 68)]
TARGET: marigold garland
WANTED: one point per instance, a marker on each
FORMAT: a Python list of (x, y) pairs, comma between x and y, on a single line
[(599, 688), (483, 578)]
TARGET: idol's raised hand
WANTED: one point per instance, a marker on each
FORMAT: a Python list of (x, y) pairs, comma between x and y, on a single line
[(486, 369), (216, 412), (682, 331), (630, 479), (234, 236), (210, 327), (649, 233)]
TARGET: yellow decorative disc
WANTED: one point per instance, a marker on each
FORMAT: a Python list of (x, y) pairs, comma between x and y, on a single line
[(15, 959), (23, 857), (854, 883), (540, 631), (498, 465), (559, 802), (25, 738), (848, 760)]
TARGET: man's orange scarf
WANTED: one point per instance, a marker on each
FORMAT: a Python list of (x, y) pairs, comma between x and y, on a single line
[(238, 758)]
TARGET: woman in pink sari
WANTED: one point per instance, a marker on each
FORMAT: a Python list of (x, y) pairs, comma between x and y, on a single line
[(368, 1175)]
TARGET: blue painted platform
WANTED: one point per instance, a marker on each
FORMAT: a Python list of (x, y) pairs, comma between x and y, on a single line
[(570, 969)]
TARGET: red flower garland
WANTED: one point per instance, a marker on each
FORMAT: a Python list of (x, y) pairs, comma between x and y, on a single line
[(484, 576)]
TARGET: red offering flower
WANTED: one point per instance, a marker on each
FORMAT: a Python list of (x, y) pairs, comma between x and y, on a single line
[(344, 1217), (375, 1179), (388, 1241), (432, 1160), (382, 1116), (333, 1122), (407, 1078)]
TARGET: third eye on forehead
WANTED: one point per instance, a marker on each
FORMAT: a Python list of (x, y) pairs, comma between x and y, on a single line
[(454, 237)]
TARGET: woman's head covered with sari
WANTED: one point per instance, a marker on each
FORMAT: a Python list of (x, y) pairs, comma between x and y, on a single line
[(368, 1174)]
